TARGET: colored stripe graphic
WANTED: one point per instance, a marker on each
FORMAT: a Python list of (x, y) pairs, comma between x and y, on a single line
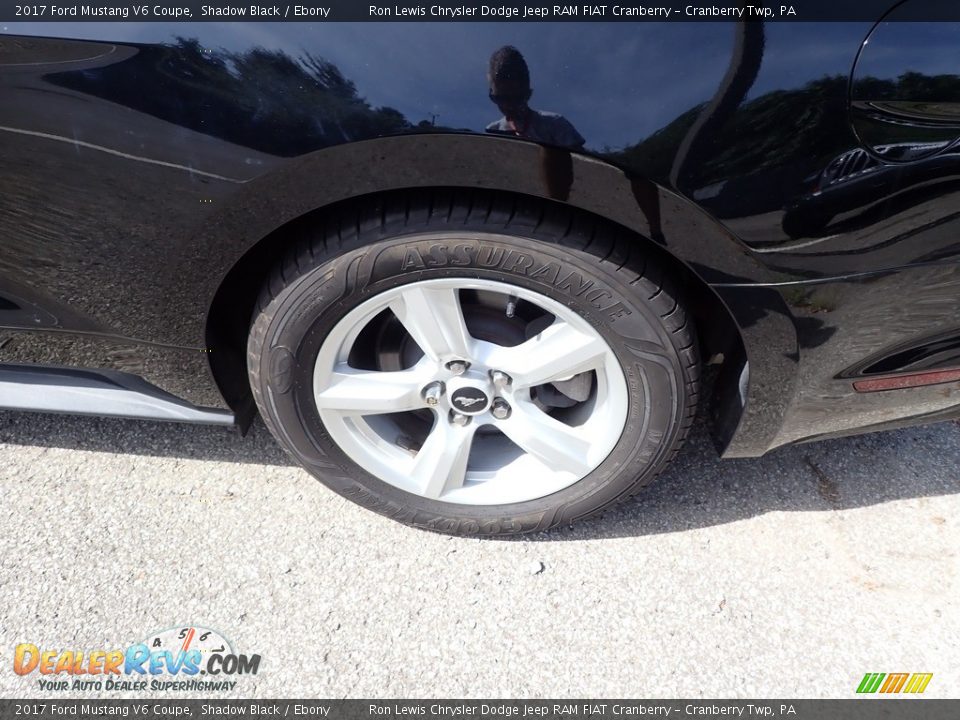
[(870, 682), (918, 683), (894, 682), (914, 683)]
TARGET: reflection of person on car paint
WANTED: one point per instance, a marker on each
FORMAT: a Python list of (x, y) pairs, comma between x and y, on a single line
[(509, 80)]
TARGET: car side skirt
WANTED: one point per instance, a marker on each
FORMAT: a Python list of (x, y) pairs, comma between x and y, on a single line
[(97, 392)]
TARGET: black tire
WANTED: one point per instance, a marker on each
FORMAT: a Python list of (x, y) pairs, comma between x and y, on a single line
[(632, 300)]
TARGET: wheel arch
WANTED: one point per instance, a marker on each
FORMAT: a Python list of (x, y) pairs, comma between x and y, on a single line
[(694, 245)]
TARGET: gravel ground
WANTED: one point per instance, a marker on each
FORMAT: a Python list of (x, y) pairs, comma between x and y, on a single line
[(791, 575)]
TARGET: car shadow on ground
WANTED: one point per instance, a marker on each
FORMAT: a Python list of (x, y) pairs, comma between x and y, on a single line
[(698, 490)]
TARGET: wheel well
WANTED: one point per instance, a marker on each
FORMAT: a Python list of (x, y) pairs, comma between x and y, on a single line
[(230, 313)]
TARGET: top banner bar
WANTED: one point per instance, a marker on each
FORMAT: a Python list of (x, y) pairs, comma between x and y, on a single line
[(467, 11)]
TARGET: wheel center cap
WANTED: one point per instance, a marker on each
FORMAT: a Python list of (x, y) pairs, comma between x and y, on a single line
[(469, 400)]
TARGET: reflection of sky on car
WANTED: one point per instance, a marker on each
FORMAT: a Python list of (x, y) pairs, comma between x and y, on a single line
[(572, 72), (795, 53), (928, 48)]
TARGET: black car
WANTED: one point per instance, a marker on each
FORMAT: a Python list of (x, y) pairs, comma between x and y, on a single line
[(479, 277)]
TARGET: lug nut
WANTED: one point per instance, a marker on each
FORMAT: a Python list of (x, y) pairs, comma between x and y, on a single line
[(459, 419), (432, 393), (501, 409), (500, 379), (458, 367)]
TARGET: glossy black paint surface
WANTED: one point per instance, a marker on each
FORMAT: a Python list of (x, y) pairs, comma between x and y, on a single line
[(141, 163)]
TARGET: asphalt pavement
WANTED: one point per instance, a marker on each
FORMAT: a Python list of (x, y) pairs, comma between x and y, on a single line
[(786, 576)]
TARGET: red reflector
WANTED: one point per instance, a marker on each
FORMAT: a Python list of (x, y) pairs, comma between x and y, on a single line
[(932, 377)]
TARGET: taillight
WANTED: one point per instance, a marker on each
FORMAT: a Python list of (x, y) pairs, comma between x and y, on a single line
[(900, 382)]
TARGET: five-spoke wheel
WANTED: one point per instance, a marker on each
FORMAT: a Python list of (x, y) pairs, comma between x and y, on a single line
[(493, 411)]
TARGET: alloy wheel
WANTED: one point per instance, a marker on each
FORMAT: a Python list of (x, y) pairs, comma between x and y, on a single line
[(470, 391)]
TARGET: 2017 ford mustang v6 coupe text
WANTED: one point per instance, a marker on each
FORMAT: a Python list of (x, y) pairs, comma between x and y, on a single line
[(473, 276)]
